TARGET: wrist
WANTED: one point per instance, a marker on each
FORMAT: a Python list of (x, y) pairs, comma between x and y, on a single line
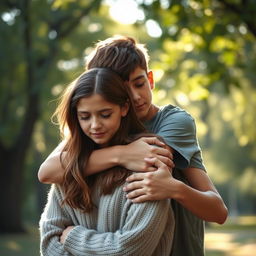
[(179, 190), (118, 155)]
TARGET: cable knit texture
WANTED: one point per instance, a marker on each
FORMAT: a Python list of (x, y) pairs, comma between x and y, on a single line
[(115, 227)]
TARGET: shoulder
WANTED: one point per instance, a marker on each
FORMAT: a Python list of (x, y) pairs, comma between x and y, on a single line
[(177, 117), (175, 112), (56, 193)]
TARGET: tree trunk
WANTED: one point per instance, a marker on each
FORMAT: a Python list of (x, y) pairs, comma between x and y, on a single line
[(12, 162), (10, 196)]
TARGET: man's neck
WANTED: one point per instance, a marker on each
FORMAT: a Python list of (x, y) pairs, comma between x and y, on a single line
[(151, 113)]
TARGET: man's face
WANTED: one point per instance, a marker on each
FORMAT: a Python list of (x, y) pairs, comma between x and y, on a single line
[(141, 85)]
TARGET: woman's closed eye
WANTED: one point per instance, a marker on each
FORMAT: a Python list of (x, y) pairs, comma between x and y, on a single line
[(106, 115), (84, 117)]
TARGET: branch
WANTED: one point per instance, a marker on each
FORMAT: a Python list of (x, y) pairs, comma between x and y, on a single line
[(230, 6), (10, 4), (244, 12), (61, 33), (58, 25)]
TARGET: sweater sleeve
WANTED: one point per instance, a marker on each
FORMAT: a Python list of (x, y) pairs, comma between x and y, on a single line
[(52, 223), (144, 224)]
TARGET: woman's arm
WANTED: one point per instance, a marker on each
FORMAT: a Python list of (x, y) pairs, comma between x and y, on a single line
[(52, 223), (141, 234), (133, 237), (131, 156)]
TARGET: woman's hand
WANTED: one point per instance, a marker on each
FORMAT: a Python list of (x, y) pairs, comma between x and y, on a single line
[(65, 233)]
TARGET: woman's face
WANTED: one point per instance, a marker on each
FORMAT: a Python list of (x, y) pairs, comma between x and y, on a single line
[(99, 119)]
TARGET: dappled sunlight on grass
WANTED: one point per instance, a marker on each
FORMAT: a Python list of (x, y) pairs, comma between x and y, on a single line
[(26, 244), (237, 237), (219, 241), (244, 220), (245, 250), (13, 245), (229, 244)]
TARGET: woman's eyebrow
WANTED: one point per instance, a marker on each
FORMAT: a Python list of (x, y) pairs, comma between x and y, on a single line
[(101, 110), (105, 109), (82, 112)]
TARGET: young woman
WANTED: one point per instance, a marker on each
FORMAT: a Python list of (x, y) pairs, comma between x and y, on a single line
[(91, 215)]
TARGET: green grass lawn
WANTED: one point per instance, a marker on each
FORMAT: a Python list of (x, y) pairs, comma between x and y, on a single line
[(20, 245), (237, 237)]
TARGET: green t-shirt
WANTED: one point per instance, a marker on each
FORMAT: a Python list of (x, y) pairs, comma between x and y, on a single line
[(178, 130)]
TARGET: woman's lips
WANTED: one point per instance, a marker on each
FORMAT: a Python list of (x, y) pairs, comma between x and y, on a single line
[(98, 134)]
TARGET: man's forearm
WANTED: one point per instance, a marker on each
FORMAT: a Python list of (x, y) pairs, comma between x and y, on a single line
[(103, 159), (52, 171), (131, 156), (200, 197), (206, 205)]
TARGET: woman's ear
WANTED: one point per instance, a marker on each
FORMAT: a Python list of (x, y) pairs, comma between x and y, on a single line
[(125, 108)]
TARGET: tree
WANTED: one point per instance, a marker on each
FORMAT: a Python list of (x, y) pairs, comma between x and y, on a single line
[(32, 31)]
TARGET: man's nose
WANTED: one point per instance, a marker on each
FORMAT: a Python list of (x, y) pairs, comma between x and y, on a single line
[(135, 94)]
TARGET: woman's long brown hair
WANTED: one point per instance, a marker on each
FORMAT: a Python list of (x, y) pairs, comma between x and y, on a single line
[(78, 148)]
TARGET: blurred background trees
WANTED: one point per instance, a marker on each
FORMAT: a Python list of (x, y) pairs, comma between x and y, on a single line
[(203, 58)]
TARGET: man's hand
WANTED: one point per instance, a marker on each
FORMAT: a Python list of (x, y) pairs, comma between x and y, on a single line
[(150, 186), (65, 233), (143, 148)]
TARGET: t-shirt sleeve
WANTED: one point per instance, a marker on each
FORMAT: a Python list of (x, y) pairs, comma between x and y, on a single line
[(178, 129), (143, 226)]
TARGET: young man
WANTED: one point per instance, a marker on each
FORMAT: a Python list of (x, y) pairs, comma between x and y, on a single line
[(195, 197)]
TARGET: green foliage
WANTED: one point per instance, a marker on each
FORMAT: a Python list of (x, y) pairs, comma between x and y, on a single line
[(209, 46), (204, 61)]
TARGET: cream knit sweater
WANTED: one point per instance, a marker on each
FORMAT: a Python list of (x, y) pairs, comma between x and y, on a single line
[(115, 227)]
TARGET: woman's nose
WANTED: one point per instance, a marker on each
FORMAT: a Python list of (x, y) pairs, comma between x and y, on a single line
[(95, 124)]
